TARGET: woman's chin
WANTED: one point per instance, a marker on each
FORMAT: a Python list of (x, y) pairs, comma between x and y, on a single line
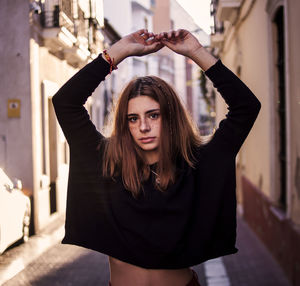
[(149, 147)]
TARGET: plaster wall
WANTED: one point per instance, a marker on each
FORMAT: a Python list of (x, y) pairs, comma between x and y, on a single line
[(246, 49), (118, 13), (15, 141), (293, 75), (48, 74)]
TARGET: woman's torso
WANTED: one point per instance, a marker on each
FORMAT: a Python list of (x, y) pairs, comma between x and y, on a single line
[(122, 274)]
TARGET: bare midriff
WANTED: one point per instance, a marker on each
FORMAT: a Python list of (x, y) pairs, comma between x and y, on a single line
[(125, 274)]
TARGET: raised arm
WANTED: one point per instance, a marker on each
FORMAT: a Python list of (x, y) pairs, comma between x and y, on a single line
[(69, 100), (242, 104), (243, 109)]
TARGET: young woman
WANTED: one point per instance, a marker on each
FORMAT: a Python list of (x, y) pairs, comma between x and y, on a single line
[(153, 196)]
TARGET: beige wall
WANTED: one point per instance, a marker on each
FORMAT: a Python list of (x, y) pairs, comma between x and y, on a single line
[(293, 22), (16, 154), (48, 73), (249, 45), (247, 48)]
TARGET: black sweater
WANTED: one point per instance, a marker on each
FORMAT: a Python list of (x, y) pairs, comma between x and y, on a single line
[(193, 221)]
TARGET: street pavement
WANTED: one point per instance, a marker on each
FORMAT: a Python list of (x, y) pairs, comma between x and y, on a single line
[(43, 261), (253, 264)]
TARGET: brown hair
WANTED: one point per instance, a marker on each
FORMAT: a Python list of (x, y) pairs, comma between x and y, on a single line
[(179, 136)]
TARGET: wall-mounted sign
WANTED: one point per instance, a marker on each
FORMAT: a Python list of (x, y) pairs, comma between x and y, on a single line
[(13, 108)]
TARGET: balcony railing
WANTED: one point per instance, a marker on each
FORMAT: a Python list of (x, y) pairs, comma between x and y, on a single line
[(69, 32), (50, 19), (217, 28), (57, 18), (66, 8), (227, 10)]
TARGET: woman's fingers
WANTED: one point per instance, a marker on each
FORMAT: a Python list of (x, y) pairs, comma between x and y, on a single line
[(151, 38), (180, 41), (142, 31), (154, 47), (171, 35), (179, 32), (144, 34), (149, 42)]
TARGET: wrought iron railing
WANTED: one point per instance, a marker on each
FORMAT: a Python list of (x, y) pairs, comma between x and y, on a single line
[(62, 16), (58, 18), (66, 7), (81, 24), (50, 19)]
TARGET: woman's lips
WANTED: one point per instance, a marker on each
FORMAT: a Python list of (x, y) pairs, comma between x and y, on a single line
[(147, 139)]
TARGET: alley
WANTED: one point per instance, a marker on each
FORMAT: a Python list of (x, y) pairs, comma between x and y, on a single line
[(65, 65), (61, 265)]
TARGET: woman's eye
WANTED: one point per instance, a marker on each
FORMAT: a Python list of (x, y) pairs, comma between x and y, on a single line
[(132, 119), (154, 115)]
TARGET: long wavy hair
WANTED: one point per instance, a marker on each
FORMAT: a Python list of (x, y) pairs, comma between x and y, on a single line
[(179, 136)]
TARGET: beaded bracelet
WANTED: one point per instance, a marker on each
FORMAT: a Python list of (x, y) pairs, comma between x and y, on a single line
[(110, 61)]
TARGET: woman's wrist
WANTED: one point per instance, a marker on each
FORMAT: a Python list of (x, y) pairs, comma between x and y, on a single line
[(117, 53), (203, 58)]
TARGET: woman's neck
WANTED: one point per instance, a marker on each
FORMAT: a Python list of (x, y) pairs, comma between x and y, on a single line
[(151, 157)]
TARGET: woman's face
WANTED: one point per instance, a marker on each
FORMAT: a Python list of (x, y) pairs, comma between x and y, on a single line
[(144, 121)]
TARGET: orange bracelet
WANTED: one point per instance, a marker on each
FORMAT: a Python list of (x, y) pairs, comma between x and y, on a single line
[(110, 61)]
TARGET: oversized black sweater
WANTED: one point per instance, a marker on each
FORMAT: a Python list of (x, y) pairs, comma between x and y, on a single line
[(193, 221)]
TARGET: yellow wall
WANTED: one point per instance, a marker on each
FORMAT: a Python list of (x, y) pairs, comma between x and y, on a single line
[(249, 45), (293, 8), (247, 48)]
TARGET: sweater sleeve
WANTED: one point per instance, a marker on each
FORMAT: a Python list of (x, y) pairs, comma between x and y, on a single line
[(69, 100), (243, 109)]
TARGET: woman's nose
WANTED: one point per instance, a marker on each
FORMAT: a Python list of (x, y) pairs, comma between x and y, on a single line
[(144, 126)]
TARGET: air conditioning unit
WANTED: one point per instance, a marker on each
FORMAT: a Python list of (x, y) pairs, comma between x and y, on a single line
[(227, 10)]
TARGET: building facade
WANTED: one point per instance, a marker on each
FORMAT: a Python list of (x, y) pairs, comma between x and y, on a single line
[(187, 73), (259, 41), (42, 45)]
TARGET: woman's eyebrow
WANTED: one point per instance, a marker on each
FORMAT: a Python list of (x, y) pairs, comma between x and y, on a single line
[(147, 112)]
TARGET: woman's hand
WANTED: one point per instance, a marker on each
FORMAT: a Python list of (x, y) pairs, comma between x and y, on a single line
[(184, 43), (139, 43), (181, 42)]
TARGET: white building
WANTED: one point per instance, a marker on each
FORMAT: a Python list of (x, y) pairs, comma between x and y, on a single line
[(43, 43), (187, 75)]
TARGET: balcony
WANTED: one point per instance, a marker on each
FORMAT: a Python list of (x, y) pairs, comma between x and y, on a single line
[(60, 34), (217, 40), (227, 10)]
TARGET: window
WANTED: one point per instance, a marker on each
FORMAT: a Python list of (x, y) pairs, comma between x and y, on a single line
[(279, 61)]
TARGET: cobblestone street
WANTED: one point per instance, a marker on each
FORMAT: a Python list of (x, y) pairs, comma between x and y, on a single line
[(65, 265), (71, 265), (68, 265)]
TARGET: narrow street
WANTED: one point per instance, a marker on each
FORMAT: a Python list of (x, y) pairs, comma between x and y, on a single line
[(64, 265), (201, 97)]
